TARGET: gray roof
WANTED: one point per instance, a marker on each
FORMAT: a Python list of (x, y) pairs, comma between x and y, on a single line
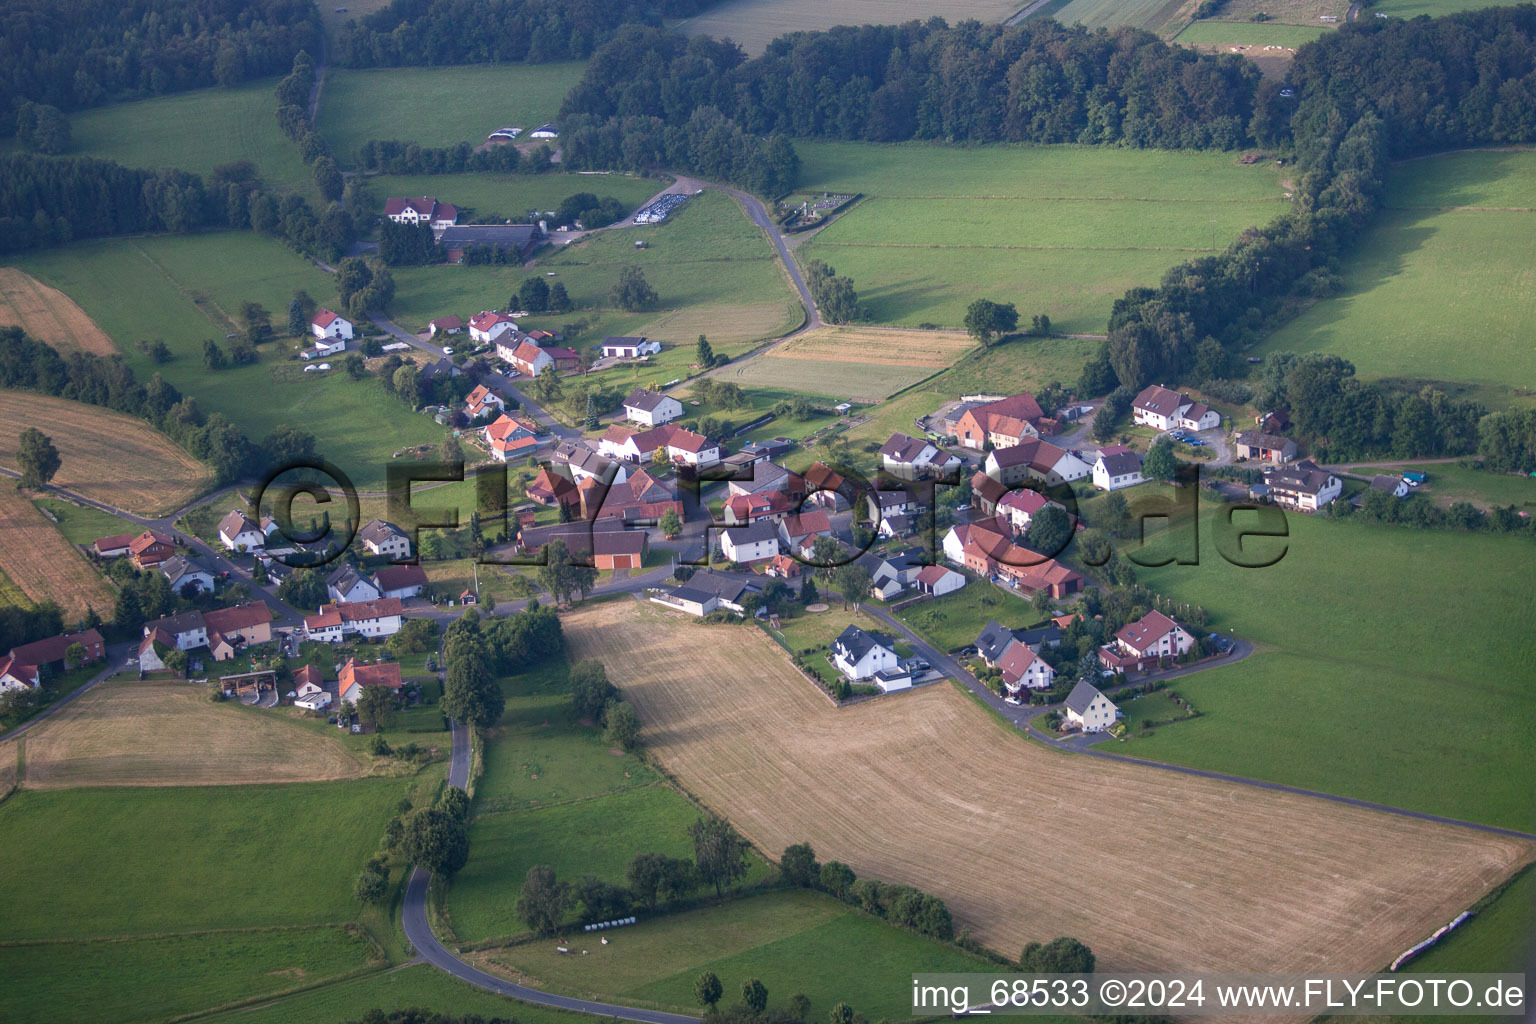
[(184, 622), (1121, 463), (853, 643), (379, 531), (500, 235), (178, 566), (626, 340), (758, 531), (1050, 633), (1304, 477), (723, 585), (1383, 482), (236, 523), (1082, 695), (699, 597), (644, 399), (993, 641), (346, 578)]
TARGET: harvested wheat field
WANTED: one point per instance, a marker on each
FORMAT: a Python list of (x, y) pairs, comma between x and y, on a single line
[(37, 558), (168, 734), (49, 315), (104, 455), (1154, 871), (934, 350), (854, 363)]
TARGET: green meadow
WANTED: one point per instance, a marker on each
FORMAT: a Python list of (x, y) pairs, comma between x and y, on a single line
[(489, 196), (153, 979), (1432, 288), (1147, 14), (439, 106), (196, 131), (1250, 33), (1059, 230), (81, 524), (147, 861), (1381, 650), (184, 289), (755, 23), (955, 620)]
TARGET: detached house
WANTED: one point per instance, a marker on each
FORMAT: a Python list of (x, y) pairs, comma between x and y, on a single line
[(1018, 507), (552, 488), (1003, 424), (913, 458), (1117, 466), (483, 401), (231, 630), (1162, 409), (239, 532), (182, 572), (353, 677), (383, 538), (1024, 669), (740, 509), (629, 348), (651, 408), (1303, 486), (509, 438), (986, 552), (421, 210), (347, 584), (861, 655), (445, 325), (330, 326), (1088, 709), (826, 487), (149, 549), (752, 543), (489, 326), (1154, 635), (18, 675), (53, 653), (524, 355), (335, 622), (1034, 459), (797, 533)]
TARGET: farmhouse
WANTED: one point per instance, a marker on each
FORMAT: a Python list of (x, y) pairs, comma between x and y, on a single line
[(422, 210), (651, 408), (335, 622), (639, 497), (182, 572), (552, 488), (629, 348), (1034, 459), (329, 326), (750, 543), (149, 549), (238, 532), (936, 580), (445, 325), (680, 445), (353, 677), (1303, 486), (509, 438), (16, 675), (488, 326), (482, 402), (987, 492), (1088, 709), (797, 533), (53, 652), (1255, 444), (111, 547), (1117, 466), (1002, 424), (400, 581), (510, 238), (1162, 409), (347, 584), (913, 458), (384, 538)]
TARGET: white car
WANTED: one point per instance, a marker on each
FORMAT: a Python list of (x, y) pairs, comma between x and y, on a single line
[(447, 350), (311, 369)]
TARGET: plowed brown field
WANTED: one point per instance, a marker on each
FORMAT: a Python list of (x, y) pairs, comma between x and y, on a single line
[(49, 315)]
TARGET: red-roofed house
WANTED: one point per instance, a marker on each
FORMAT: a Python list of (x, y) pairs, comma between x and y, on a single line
[(551, 488), (149, 549), (353, 677), (1023, 669), (1157, 406), (509, 438), (111, 547), (421, 210), (524, 355), (483, 401), (54, 650), (936, 581), (248, 623), (445, 325), (746, 508), (1154, 635), (489, 325), (400, 581), (1019, 507), (1004, 423), (335, 622), (785, 567), (17, 675), (329, 326), (799, 532)]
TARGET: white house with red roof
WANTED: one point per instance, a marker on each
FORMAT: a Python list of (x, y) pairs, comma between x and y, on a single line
[(445, 325), (330, 326), (938, 580), (483, 401), (354, 676), (1003, 423), (740, 509), (509, 438), (335, 622), (1018, 507), (17, 675), (421, 210), (1162, 409), (913, 458), (1023, 669), (490, 325), (798, 533), (1154, 635), (524, 354)]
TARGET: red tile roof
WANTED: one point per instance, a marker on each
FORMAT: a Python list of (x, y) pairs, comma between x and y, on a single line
[(324, 318), (241, 616)]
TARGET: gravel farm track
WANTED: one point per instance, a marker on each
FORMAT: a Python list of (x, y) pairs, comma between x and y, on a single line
[(1154, 873)]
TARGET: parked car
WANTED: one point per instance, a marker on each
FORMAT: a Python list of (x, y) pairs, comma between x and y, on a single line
[(447, 350)]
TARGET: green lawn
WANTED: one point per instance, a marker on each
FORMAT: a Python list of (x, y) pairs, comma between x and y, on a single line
[(1250, 33), (1432, 289), (185, 289), (1059, 230), (1382, 651), (154, 860), (489, 196), (755, 23), (81, 524), (599, 836), (196, 131), (1450, 482), (793, 941), (124, 981), (438, 106), (954, 620)]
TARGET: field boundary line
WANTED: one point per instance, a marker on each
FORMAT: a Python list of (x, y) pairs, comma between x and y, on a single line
[(239, 1004), (255, 929), (181, 289), (573, 801)]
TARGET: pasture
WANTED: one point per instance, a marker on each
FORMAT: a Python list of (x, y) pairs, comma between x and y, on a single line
[(187, 289), (49, 315), (1432, 288), (169, 734), (197, 131), (1058, 230), (755, 23), (230, 852), (1334, 654), (43, 565), (1245, 33), (1208, 875), (793, 941), (1152, 15), (863, 364), (440, 106), (486, 198), (1285, 12), (154, 979), (119, 460)]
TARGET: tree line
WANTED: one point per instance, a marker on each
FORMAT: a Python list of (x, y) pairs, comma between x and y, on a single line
[(87, 52)]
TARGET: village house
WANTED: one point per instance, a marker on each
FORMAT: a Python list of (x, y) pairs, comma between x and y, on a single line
[(489, 326), (239, 532), (828, 488), (524, 355), (17, 675), (1393, 485), (184, 631), (149, 549), (914, 458), (986, 552), (1117, 466), (769, 478), (1023, 669), (231, 630), (861, 655), (728, 589), (746, 544), (347, 584), (1019, 506), (309, 689), (384, 538), (182, 572), (798, 533), (986, 492), (445, 325), (1303, 486), (893, 574), (630, 348), (113, 546), (23, 665), (1034, 459), (584, 463), (687, 599), (936, 580), (482, 402), (1255, 444), (552, 488), (885, 504), (782, 566), (421, 210), (640, 497), (651, 408), (1162, 409), (740, 509), (1002, 424), (353, 677), (335, 622), (401, 581), (509, 438), (1087, 709), (1154, 635), (681, 445), (332, 327)]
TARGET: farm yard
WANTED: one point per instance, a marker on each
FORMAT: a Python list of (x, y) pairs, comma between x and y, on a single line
[(853, 363), (440, 106), (765, 755), (118, 460), (1434, 284), (49, 315), (168, 734), (1059, 230), (755, 23), (38, 560)]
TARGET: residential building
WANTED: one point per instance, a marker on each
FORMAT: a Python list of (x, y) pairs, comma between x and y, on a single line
[(986, 552), (914, 458), (1162, 409), (782, 566), (113, 546), (740, 509), (651, 408), (149, 549), (630, 348), (686, 599), (482, 402), (182, 572), (1023, 670), (445, 325), (551, 487), (384, 538), (828, 488), (489, 326), (1117, 466), (1393, 485), (524, 355), (335, 622), (400, 581), (1303, 486), (1154, 635), (1088, 709), (1002, 423), (753, 543), (902, 568), (184, 631), (17, 675), (231, 630), (346, 584), (1019, 506), (509, 438), (936, 580), (767, 478), (53, 652), (728, 588), (1255, 444), (421, 210), (239, 532), (584, 463), (353, 677), (859, 654), (886, 503), (330, 326), (798, 533), (640, 497), (1034, 459)]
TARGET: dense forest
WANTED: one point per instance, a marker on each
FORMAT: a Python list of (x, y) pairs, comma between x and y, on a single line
[(1036, 82), (80, 53), (410, 32)]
